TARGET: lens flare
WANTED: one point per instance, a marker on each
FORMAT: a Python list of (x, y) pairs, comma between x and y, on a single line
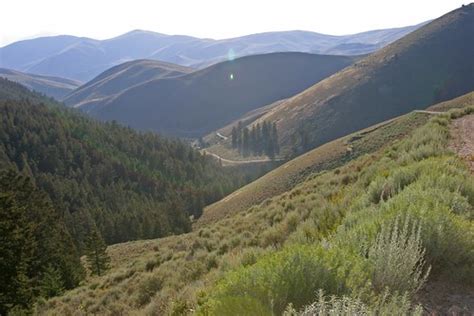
[(231, 54)]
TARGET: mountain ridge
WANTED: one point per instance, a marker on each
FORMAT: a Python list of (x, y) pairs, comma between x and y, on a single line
[(53, 55), (121, 77), (55, 87)]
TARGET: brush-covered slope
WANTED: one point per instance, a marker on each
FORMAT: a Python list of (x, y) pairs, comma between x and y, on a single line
[(51, 86), (346, 231), (127, 184), (427, 66), (84, 58), (122, 77), (195, 104), (324, 157)]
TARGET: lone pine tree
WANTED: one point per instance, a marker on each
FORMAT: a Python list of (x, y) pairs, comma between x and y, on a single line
[(96, 254)]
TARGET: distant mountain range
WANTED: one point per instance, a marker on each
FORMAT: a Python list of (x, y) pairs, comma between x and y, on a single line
[(51, 86), (149, 95), (82, 58)]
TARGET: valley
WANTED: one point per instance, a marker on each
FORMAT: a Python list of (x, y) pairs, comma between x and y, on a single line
[(284, 173)]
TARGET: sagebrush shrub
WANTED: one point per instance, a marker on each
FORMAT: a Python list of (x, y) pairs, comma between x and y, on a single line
[(397, 257), (147, 289), (386, 305)]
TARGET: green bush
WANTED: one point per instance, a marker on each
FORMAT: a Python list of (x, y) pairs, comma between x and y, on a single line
[(292, 275)]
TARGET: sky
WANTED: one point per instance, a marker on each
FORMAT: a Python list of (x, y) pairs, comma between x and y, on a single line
[(101, 19)]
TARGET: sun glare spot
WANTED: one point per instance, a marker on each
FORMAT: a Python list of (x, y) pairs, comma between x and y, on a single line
[(231, 54)]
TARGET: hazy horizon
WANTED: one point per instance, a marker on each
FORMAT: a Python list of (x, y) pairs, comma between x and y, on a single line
[(54, 17)]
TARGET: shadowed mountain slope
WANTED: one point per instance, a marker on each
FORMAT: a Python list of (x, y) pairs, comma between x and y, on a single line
[(197, 103)]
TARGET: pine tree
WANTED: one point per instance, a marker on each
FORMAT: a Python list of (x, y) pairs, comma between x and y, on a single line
[(239, 136), (33, 237), (234, 137), (51, 283), (253, 140), (259, 139), (96, 254), (276, 144), (245, 142), (265, 137)]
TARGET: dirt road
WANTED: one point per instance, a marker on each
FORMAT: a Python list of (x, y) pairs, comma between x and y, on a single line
[(462, 132), (239, 162)]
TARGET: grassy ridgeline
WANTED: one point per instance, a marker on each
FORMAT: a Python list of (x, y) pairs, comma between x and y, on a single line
[(371, 256)]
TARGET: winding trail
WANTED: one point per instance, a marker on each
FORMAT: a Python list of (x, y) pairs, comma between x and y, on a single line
[(446, 297), (240, 162), (429, 112), (462, 132)]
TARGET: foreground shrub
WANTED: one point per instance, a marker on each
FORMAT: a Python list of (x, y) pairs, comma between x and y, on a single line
[(293, 275), (397, 257), (347, 306), (332, 306)]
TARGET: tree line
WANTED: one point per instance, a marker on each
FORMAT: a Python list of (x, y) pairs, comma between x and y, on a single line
[(260, 139)]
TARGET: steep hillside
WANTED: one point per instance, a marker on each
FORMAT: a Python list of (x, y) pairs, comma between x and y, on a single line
[(430, 65), (84, 58), (130, 185), (119, 78), (51, 86), (195, 104), (410, 201)]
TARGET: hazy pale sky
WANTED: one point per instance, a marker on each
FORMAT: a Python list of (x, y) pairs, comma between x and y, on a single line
[(101, 19)]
